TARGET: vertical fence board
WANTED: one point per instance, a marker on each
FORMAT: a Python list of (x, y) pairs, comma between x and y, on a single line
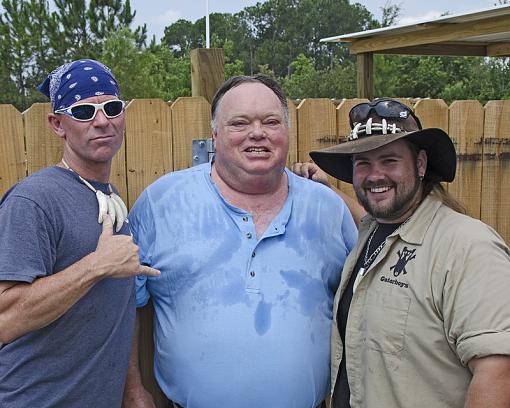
[(496, 168), (191, 119), (466, 131), (146, 355), (148, 144), (43, 147), (432, 113), (316, 120), (406, 101), (148, 157), (118, 172), (343, 128), (12, 148), (316, 126), (293, 134)]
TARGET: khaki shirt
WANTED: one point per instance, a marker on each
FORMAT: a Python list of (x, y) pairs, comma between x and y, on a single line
[(434, 298)]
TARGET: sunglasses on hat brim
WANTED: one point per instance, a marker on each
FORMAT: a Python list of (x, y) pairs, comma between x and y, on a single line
[(384, 108), (84, 112)]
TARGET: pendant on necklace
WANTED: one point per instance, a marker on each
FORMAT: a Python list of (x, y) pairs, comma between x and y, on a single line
[(109, 204)]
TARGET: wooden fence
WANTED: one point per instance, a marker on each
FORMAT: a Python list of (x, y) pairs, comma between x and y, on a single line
[(159, 135)]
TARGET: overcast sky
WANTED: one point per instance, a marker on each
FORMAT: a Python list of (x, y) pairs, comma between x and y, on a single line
[(157, 14)]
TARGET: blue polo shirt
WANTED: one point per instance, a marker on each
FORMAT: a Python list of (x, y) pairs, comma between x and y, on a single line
[(240, 321)]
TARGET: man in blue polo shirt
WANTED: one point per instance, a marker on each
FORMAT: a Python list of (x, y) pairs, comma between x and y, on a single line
[(250, 258)]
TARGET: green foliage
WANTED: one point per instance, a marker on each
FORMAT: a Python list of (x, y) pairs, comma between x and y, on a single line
[(390, 14), (174, 74), (35, 40), (23, 48), (306, 82), (275, 32), (131, 65), (234, 68), (146, 72), (279, 38), (448, 78), (86, 27), (303, 81)]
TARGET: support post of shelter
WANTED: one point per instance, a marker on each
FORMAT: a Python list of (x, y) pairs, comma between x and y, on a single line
[(365, 75), (207, 71)]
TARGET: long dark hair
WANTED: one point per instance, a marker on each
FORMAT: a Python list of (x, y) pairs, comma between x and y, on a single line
[(430, 185), (447, 199)]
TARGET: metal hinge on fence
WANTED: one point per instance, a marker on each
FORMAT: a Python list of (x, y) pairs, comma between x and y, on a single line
[(201, 151)]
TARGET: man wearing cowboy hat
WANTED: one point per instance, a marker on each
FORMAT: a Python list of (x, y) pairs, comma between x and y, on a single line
[(423, 307)]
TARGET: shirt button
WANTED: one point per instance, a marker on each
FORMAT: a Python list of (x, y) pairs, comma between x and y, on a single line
[(245, 218), (248, 235), (252, 274), (253, 254)]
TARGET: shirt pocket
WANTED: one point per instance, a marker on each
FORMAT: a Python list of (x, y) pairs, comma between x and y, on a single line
[(386, 321)]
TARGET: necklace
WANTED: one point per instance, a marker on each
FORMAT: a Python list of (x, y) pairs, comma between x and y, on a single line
[(367, 260), (111, 204)]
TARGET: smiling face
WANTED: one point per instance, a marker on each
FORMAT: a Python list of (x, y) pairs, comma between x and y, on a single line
[(386, 180), (251, 136), (90, 143)]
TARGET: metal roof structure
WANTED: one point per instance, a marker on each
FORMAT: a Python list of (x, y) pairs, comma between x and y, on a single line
[(481, 33)]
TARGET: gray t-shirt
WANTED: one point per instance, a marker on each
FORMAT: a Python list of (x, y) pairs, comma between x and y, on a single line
[(48, 221)]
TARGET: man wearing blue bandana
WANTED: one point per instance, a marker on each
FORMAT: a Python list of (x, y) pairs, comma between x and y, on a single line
[(67, 261), (250, 257)]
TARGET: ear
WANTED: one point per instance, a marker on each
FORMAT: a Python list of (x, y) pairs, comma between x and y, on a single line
[(55, 122), (421, 162)]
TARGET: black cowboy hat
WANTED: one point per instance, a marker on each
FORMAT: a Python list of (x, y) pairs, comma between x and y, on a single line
[(379, 123)]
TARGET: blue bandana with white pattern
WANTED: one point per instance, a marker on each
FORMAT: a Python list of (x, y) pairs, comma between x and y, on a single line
[(78, 80)]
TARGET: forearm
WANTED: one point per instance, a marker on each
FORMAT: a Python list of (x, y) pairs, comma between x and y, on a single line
[(25, 307), (490, 385), (133, 376), (135, 395)]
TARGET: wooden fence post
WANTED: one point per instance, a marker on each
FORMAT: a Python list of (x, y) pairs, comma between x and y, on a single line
[(207, 71), (365, 75)]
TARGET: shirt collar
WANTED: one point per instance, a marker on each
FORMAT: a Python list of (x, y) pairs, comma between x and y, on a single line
[(413, 231)]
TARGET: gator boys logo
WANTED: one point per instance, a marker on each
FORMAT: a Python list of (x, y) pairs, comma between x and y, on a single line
[(404, 256)]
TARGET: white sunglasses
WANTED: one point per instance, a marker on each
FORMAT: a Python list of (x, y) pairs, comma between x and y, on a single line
[(84, 112)]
